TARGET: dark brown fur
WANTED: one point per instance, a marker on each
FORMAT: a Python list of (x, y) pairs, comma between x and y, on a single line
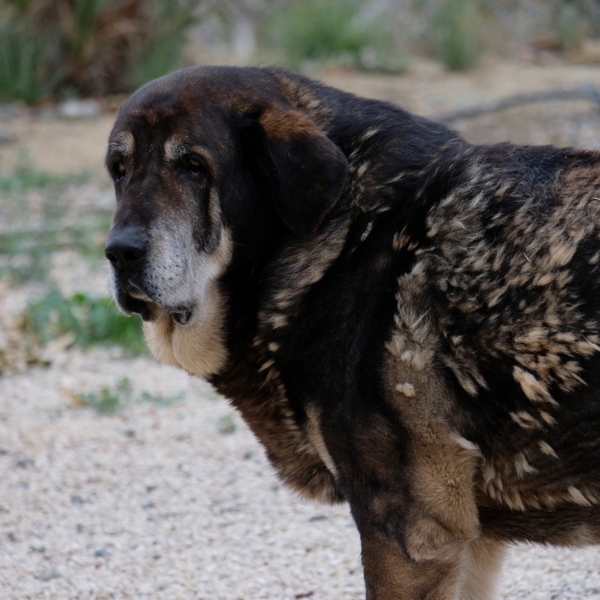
[(407, 322)]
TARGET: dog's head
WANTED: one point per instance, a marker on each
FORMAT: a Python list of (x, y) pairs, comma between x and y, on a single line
[(209, 165)]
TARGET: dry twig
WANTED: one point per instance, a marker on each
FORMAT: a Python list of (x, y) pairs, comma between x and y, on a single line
[(585, 92)]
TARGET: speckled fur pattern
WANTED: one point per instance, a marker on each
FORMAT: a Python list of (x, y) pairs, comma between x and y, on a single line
[(408, 322)]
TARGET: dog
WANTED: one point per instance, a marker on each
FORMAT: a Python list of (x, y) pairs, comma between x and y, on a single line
[(407, 322)]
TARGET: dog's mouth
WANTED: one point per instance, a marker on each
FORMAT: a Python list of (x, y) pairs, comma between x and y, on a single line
[(137, 301)]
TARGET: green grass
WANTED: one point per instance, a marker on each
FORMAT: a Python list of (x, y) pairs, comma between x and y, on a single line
[(25, 251), (457, 33), (108, 400), (49, 48), (226, 425), (570, 27), (23, 75), (89, 321), (320, 30), (25, 254), (169, 19), (24, 179)]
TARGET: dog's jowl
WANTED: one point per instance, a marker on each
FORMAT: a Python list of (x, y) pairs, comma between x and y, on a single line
[(408, 322)]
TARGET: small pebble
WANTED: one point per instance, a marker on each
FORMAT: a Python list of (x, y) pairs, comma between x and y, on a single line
[(47, 575), (79, 109), (317, 518)]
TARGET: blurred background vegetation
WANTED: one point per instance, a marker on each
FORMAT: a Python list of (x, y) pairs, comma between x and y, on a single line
[(88, 47), (77, 48), (55, 52)]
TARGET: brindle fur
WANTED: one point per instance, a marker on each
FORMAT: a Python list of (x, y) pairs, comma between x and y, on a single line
[(406, 321)]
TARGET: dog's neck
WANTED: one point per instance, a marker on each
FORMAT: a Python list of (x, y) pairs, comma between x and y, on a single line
[(283, 267), (385, 194)]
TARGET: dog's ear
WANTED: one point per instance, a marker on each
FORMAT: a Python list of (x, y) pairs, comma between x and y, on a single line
[(305, 170)]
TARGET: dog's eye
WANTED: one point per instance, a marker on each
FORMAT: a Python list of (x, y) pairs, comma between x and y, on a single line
[(192, 165), (119, 171)]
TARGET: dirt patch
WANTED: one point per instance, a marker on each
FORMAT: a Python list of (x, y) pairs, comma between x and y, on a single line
[(57, 146), (65, 147)]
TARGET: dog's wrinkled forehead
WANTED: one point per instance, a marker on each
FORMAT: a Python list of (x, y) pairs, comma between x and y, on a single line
[(143, 132), (242, 131), (194, 105)]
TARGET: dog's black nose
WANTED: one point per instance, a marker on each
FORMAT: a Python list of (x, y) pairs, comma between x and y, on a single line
[(126, 247)]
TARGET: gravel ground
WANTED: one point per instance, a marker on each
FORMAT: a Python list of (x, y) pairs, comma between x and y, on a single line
[(168, 503), (178, 502)]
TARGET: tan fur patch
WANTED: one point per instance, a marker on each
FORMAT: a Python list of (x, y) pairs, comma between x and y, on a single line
[(124, 143), (199, 346), (298, 454), (414, 339), (547, 449), (525, 420), (408, 389), (286, 125), (522, 466), (578, 497), (548, 418), (532, 388), (366, 232), (158, 335), (482, 560), (443, 466), (316, 437), (174, 148)]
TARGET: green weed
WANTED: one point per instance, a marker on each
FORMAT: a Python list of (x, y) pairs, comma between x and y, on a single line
[(83, 47), (25, 251), (25, 254), (90, 321), (22, 72), (24, 179), (318, 30), (162, 48), (570, 27), (226, 425), (108, 400), (456, 33)]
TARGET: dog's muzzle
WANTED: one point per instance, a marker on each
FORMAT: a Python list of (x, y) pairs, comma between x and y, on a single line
[(126, 248), (127, 251)]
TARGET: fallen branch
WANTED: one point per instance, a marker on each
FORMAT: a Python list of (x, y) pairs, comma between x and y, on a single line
[(585, 92)]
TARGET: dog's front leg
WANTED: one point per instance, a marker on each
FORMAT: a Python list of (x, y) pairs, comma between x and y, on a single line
[(409, 552), (390, 574), (408, 477), (469, 572)]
